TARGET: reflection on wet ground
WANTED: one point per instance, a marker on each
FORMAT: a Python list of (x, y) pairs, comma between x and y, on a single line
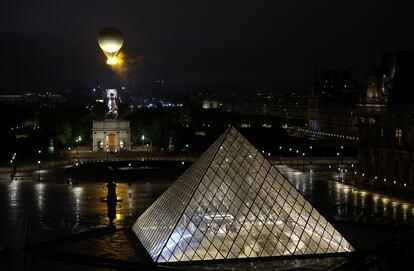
[(32, 212), (325, 193)]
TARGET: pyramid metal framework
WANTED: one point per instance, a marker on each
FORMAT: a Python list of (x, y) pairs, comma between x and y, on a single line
[(233, 203)]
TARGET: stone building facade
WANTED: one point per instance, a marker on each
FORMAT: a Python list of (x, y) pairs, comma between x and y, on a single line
[(111, 135), (386, 124)]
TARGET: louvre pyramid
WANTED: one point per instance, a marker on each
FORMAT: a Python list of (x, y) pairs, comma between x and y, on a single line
[(233, 203)]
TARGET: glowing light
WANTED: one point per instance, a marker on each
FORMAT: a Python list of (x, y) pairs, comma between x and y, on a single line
[(110, 40), (112, 60)]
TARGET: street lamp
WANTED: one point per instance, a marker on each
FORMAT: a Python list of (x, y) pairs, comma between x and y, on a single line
[(143, 139), (186, 152), (310, 155), (303, 161), (11, 170), (337, 160), (297, 157), (78, 140), (38, 175), (280, 155), (129, 174)]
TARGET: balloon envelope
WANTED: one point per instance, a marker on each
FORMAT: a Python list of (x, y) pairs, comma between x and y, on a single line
[(110, 39)]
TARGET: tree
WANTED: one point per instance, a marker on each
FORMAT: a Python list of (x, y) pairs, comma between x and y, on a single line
[(64, 133)]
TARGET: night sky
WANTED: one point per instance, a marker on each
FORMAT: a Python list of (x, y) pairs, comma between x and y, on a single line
[(201, 44)]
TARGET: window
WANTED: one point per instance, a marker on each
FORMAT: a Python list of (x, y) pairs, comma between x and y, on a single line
[(398, 136)]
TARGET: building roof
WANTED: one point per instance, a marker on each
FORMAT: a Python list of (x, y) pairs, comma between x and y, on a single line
[(399, 67)]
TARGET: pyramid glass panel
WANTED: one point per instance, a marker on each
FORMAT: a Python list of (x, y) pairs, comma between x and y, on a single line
[(233, 203)]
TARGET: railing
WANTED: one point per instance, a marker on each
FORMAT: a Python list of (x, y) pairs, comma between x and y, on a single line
[(184, 158)]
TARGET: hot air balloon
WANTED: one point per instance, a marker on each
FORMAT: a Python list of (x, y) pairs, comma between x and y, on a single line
[(110, 39)]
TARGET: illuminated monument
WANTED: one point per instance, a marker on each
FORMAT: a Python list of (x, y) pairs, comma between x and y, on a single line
[(111, 135), (232, 203), (112, 103)]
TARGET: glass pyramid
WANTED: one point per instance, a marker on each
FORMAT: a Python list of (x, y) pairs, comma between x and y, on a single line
[(233, 203)]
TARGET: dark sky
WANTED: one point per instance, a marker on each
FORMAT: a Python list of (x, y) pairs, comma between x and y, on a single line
[(255, 43)]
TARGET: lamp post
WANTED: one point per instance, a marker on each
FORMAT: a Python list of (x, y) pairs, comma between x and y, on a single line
[(129, 174), (297, 157), (363, 180), (310, 154), (12, 167), (11, 170), (303, 161), (38, 171), (280, 155), (143, 139), (78, 140), (339, 166), (337, 159)]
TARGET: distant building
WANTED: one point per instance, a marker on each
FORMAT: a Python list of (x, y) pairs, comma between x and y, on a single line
[(210, 104), (332, 103), (285, 110), (33, 99), (386, 123), (111, 135)]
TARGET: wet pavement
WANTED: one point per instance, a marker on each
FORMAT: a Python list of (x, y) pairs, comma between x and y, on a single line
[(32, 211), (325, 192)]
